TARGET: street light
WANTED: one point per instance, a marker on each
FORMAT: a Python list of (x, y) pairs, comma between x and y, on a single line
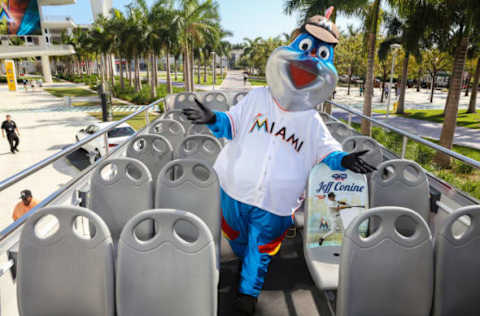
[(394, 48)]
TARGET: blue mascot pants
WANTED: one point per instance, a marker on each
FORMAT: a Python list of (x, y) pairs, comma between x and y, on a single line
[(255, 235)]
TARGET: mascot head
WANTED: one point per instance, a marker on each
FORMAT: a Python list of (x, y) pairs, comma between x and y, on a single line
[(302, 75)]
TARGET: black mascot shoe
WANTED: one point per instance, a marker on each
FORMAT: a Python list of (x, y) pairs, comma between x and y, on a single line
[(245, 304)]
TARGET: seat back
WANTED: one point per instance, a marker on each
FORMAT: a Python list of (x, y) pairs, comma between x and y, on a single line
[(154, 151), (199, 129), (216, 101), (177, 115), (167, 275), (457, 262), (194, 188), (170, 129), (401, 183), (201, 147), (239, 96), (183, 100), (339, 131), (374, 155), (386, 273), (65, 273), (121, 188)]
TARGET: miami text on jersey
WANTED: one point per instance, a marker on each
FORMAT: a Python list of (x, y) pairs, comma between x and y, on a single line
[(262, 124)]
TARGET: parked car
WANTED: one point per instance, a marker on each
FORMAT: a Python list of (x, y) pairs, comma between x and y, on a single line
[(96, 148)]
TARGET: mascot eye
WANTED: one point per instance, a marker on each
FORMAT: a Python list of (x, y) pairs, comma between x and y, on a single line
[(324, 52), (305, 44)]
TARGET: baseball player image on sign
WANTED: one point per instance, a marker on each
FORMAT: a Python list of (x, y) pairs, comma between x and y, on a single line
[(276, 137)]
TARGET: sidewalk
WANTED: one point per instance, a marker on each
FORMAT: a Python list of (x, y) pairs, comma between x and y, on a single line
[(234, 81), (463, 136)]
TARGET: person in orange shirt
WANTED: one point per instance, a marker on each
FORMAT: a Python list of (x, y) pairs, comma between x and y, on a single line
[(25, 205)]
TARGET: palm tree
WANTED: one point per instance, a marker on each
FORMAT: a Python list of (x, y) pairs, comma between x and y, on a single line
[(458, 18), (195, 20), (407, 27)]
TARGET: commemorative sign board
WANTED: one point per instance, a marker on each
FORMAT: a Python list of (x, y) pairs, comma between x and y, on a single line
[(335, 198)]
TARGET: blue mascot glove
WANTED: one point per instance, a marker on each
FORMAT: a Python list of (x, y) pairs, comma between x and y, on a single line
[(356, 164), (200, 116)]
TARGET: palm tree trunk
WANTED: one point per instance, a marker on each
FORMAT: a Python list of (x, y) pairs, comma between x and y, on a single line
[(130, 75), (434, 82), (122, 82), (137, 74), (205, 70), (112, 77), (221, 67), (403, 85), (148, 60), (192, 70), (175, 67), (472, 106), (453, 98), (155, 69), (153, 88), (214, 70), (372, 43), (169, 79), (185, 81), (198, 71)]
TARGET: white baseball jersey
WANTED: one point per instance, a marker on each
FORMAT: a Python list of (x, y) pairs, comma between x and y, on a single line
[(272, 151)]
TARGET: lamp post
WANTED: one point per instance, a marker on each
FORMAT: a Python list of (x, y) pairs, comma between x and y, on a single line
[(394, 48)]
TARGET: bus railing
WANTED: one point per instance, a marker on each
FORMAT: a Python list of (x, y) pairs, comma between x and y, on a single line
[(406, 136), (6, 183)]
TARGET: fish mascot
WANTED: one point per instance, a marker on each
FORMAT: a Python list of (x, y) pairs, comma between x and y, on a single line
[(275, 138)]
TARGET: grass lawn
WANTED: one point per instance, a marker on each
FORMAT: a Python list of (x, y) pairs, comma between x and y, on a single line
[(137, 122), (71, 92), (460, 175), (255, 82), (469, 120)]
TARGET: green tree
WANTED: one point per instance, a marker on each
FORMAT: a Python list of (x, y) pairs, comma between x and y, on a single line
[(349, 54)]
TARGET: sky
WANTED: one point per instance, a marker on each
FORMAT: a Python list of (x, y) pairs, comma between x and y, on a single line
[(245, 18)]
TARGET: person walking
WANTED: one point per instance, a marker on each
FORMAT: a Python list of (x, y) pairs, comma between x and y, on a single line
[(26, 204), (9, 127)]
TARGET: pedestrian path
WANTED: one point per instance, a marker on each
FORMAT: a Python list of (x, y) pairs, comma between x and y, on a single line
[(234, 82), (467, 137)]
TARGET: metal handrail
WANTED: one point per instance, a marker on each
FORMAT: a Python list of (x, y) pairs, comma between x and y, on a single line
[(465, 159), (49, 160)]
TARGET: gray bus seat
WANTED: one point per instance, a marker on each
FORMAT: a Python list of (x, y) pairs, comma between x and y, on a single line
[(239, 96), (154, 151), (177, 115), (170, 129), (202, 147), (457, 262), (65, 273), (357, 143), (167, 275), (199, 129), (182, 100), (386, 273), (340, 131), (125, 192), (195, 188), (322, 262), (401, 183), (216, 101)]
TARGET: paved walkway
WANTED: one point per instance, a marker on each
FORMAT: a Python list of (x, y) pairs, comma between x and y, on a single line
[(44, 130), (463, 136), (234, 81)]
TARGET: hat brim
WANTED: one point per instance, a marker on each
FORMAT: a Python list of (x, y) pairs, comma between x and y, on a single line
[(321, 34)]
